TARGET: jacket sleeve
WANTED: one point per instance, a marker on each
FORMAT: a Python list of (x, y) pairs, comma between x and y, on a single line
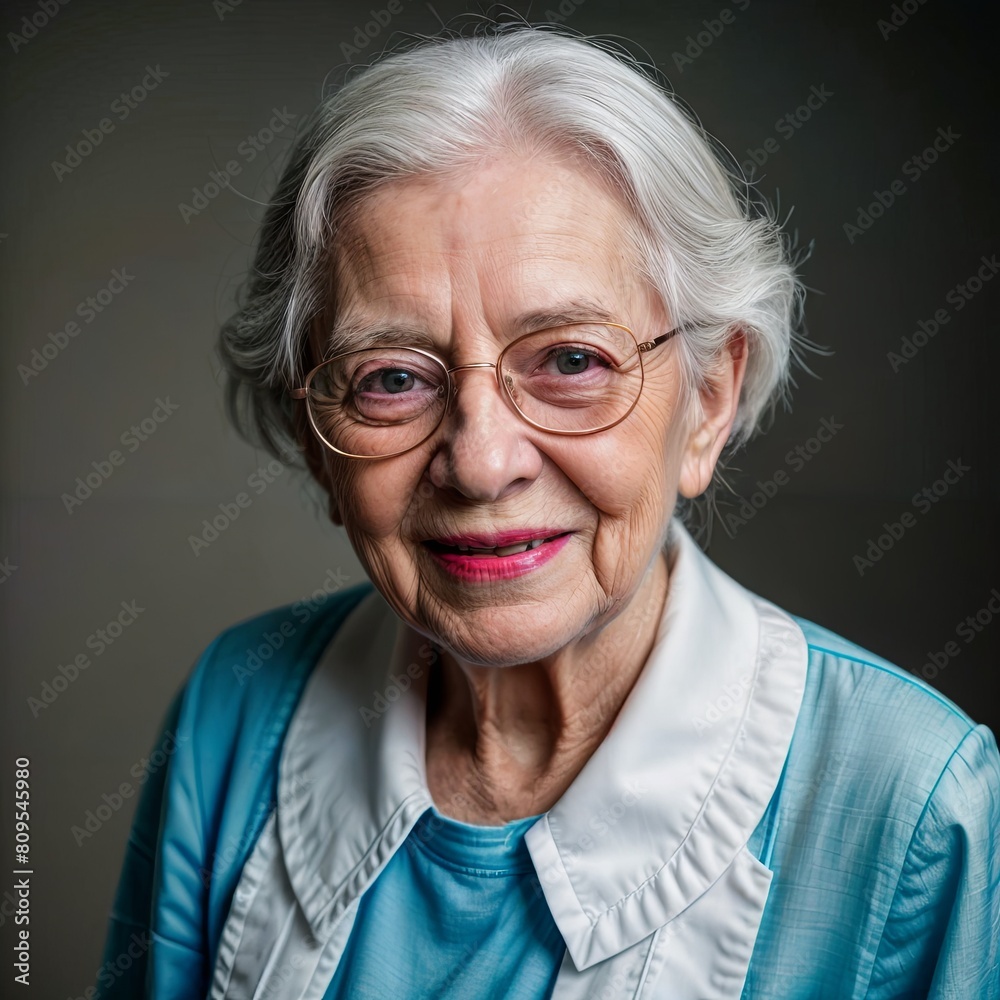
[(942, 934), (124, 971), (198, 817)]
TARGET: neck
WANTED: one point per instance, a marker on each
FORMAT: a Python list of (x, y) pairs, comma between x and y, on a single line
[(506, 742)]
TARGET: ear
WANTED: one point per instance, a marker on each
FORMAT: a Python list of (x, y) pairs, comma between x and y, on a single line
[(709, 433)]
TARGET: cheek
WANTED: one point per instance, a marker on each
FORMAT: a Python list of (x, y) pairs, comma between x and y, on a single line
[(376, 499), (629, 470)]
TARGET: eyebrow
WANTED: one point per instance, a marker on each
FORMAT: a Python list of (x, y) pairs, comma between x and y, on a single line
[(358, 335)]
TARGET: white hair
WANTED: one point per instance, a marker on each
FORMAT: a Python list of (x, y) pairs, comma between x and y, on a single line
[(708, 244)]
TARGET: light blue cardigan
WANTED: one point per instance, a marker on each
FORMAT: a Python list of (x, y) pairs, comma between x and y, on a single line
[(883, 834)]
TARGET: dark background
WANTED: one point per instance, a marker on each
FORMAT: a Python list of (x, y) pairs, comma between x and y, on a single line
[(228, 66)]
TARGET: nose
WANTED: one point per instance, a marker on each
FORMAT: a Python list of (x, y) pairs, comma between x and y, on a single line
[(484, 451)]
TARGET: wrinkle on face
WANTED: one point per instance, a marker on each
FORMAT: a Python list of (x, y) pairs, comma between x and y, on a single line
[(458, 260)]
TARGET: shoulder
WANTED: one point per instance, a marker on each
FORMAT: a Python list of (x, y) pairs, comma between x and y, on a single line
[(232, 716), (839, 669), (883, 836), (870, 729), (237, 702), (255, 661)]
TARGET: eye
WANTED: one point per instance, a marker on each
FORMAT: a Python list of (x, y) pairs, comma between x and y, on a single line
[(573, 360), (390, 380), (393, 386), (394, 374)]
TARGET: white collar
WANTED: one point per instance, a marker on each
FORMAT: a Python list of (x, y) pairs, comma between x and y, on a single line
[(658, 813)]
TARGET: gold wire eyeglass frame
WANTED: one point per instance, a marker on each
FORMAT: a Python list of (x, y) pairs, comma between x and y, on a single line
[(450, 387)]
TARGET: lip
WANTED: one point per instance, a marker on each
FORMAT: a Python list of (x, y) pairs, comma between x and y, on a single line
[(472, 568), (496, 539)]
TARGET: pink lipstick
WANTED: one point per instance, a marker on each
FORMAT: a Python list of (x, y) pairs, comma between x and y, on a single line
[(496, 555)]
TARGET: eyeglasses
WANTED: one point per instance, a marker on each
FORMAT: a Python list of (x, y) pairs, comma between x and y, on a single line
[(380, 402)]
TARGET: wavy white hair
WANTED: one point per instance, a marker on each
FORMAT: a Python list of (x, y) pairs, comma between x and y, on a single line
[(709, 245)]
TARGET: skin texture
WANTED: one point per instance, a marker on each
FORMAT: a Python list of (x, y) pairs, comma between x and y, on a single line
[(533, 670)]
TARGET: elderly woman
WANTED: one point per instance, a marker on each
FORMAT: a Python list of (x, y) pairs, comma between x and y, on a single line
[(512, 308)]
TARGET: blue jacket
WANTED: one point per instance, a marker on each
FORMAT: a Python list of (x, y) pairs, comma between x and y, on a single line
[(844, 839)]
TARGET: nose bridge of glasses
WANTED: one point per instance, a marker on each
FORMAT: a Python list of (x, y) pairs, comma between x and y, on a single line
[(479, 364), (461, 368)]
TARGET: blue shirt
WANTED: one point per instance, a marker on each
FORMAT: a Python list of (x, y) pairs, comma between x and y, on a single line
[(872, 873), (457, 910)]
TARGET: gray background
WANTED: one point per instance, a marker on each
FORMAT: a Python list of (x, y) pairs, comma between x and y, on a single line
[(119, 209)]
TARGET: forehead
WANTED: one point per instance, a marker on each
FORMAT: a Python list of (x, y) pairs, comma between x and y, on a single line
[(511, 237)]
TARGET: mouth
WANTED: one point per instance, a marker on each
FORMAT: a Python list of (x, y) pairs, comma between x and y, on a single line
[(498, 546), (477, 560)]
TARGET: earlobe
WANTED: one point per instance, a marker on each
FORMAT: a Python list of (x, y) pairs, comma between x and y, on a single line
[(698, 462)]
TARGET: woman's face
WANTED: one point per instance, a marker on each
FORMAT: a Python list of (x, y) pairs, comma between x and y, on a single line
[(461, 262)]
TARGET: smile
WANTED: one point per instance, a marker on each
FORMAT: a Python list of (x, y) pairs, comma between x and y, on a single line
[(500, 557), (478, 547)]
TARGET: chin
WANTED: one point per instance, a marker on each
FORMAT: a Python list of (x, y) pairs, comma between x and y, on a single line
[(504, 636)]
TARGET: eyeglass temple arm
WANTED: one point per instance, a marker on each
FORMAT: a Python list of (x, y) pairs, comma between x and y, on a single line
[(650, 344)]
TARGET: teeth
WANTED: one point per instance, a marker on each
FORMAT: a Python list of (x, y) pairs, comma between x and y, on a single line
[(504, 550), (510, 550)]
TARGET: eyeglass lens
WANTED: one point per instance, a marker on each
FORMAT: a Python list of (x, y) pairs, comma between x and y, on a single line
[(382, 401)]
